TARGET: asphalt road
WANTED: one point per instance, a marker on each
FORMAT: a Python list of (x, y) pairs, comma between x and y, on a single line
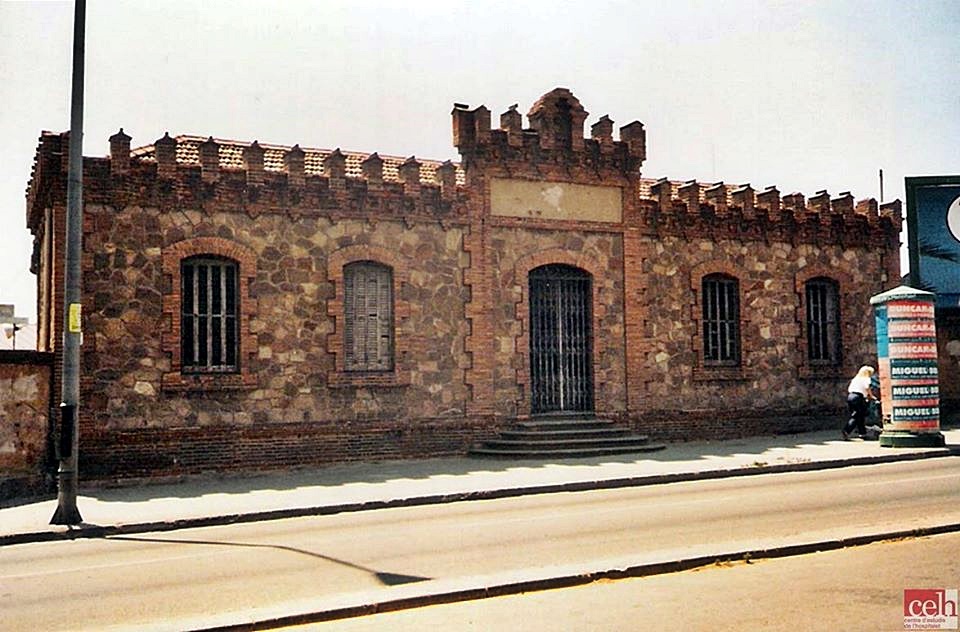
[(854, 590), (177, 580)]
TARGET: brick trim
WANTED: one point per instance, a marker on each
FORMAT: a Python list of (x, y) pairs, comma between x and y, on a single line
[(400, 374), (845, 304), (556, 224), (636, 316), (521, 288), (707, 372), (246, 260)]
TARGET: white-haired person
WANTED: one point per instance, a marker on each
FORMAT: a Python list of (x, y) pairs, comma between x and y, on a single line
[(858, 394)]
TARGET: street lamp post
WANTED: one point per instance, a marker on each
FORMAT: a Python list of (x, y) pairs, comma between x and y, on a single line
[(67, 512)]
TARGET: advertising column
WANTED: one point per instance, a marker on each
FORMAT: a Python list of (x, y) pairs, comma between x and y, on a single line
[(907, 359)]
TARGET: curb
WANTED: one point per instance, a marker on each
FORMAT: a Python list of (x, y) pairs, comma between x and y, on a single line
[(97, 531), (580, 579)]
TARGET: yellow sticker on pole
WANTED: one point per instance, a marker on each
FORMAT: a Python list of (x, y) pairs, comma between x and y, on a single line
[(73, 320)]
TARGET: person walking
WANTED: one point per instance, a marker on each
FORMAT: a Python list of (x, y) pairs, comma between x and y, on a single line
[(858, 394)]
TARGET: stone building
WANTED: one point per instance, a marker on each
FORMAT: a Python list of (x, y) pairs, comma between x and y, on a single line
[(25, 432), (249, 305)]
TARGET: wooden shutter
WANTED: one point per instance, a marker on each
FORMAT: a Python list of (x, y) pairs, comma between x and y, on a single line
[(349, 317), (384, 357), (368, 317)]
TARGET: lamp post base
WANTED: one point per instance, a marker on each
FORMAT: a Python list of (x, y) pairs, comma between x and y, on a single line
[(67, 512), (69, 516)]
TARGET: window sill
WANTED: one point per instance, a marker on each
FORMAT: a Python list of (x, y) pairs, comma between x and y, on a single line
[(207, 382), (720, 374), (815, 372), (344, 379)]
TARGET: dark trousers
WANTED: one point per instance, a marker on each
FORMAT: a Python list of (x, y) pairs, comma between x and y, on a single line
[(857, 405)]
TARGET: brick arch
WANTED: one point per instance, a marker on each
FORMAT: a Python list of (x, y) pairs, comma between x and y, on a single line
[(246, 261), (361, 252), (720, 266), (400, 375), (702, 371), (174, 253), (521, 288), (847, 305), (813, 271)]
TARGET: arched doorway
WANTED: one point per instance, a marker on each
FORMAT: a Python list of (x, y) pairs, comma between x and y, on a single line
[(561, 371)]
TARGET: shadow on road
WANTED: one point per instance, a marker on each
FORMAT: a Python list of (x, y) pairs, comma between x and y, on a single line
[(387, 579)]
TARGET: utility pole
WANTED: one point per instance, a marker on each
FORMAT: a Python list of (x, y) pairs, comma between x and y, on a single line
[(67, 512)]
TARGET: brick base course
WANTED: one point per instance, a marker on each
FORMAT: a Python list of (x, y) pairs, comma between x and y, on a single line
[(107, 455), (697, 425)]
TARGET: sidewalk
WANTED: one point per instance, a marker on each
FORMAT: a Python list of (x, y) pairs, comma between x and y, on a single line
[(362, 486)]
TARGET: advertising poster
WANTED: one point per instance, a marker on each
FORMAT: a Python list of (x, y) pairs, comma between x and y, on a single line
[(933, 220)]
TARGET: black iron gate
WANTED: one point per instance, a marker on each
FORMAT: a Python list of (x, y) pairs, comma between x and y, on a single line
[(561, 373)]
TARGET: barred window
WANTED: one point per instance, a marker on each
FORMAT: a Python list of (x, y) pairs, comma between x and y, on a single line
[(208, 317), (721, 320), (823, 321), (368, 317)]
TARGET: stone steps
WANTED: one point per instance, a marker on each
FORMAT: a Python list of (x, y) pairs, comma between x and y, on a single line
[(560, 425), (564, 437), (571, 433)]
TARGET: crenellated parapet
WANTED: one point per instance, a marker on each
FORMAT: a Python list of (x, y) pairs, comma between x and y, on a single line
[(208, 173), (555, 136), (47, 186), (46, 168), (691, 208), (205, 173)]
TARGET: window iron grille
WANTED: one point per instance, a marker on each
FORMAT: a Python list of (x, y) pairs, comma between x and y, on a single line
[(823, 322), (721, 321), (561, 371), (208, 320)]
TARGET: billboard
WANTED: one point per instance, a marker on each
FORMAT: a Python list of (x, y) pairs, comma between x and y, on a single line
[(933, 223)]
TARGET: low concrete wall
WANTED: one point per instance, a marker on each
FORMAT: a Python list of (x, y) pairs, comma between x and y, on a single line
[(25, 383)]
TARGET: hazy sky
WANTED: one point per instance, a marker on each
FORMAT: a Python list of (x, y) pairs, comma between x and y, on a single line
[(806, 95)]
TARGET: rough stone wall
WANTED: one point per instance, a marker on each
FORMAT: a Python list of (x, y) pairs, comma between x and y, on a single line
[(515, 253), (291, 288), (291, 402), (684, 399), (552, 222), (24, 422), (299, 409)]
